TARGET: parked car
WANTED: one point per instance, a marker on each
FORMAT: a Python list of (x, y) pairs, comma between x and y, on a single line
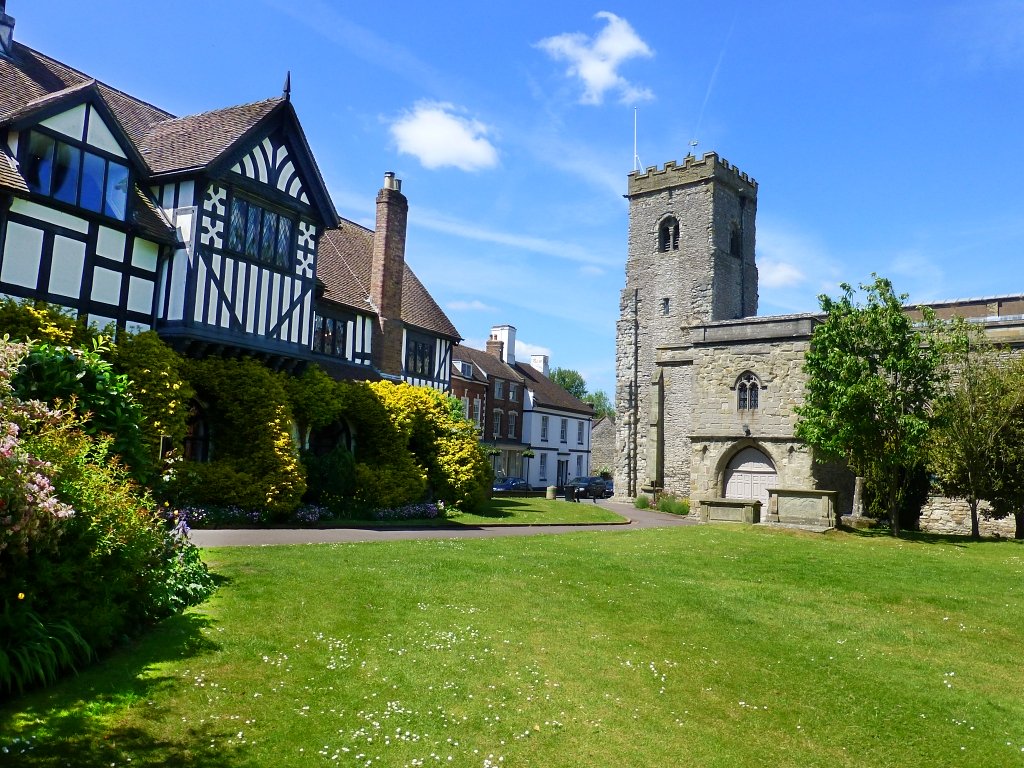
[(586, 488), (510, 484), (609, 488)]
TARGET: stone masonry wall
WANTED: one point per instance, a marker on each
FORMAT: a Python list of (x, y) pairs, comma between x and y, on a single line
[(945, 515), (669, 291)]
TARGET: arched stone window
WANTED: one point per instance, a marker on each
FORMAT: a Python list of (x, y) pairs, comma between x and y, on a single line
[(668, 234), (748, 392)]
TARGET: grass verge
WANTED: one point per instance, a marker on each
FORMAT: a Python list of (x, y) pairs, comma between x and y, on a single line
[(704, 646)]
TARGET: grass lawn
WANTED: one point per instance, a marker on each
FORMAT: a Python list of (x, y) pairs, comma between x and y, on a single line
[(694, 646), (505, 511)]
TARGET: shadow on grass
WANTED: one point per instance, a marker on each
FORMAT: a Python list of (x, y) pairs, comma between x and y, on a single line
[(74, 723), (950, 539)]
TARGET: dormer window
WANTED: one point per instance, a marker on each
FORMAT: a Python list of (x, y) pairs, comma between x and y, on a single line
[(66, 171), (668, 235)]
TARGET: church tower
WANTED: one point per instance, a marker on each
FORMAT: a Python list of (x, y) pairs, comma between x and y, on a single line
[(690, 261)]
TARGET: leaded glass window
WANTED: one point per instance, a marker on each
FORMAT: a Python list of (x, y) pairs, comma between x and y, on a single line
[(260, 234)]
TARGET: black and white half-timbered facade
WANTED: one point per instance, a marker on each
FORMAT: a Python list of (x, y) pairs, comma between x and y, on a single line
[(214, 229)]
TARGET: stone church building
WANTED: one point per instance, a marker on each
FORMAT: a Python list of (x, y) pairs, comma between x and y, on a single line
[(705, 389)]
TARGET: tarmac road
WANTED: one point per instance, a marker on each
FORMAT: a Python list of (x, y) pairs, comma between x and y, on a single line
[(250, 537)]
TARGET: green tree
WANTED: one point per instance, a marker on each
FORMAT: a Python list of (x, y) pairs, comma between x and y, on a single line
[(571, 381), (872, 374), (603, 406), (974, 421)]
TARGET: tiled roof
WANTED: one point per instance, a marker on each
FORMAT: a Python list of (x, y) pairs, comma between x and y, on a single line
[(197, 140), (490, 364), (10, 176), (343, 266), (547, 393), (30, 77), (341, 370)]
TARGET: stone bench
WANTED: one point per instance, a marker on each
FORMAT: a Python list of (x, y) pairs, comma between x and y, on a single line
[(729, 510)]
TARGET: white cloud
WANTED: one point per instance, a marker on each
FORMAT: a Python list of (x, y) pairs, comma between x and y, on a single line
[(595, 61), (563, 250), (524, 350), (470, 306), (773, 273), (590, 269), (438, 136)]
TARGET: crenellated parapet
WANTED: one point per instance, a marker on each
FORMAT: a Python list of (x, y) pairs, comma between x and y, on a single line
[(710, 167)]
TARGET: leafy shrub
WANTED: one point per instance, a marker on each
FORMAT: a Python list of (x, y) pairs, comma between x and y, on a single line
[(33, 652), (389, 485), (159, 387), (213, 484), (442, 441), (250, 419), (330, 479), (673, 505), (114, 568), (642, 502), (39, 322), (119, 568), (84, 380)]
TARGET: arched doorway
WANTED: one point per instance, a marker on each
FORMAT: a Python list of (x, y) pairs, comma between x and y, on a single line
[(749, 475)]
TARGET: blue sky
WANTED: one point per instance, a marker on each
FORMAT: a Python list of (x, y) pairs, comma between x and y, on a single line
[(886, 137)]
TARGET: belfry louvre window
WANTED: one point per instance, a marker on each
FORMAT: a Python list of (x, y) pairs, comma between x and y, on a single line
[(668, 235), (747, 389), (69, 173), (260, 234)]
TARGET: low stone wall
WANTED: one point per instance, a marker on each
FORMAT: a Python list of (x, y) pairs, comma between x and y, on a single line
[(945, 515), (729, 510)]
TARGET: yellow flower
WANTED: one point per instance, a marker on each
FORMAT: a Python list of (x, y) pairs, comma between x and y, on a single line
[(21, 595)]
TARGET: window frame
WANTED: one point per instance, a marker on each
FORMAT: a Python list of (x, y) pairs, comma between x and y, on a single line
[(339, 330), (419, 355), (748, 388), (238, 242), (496, 423), (81, 151), (563, 433), (544, 429), (513, 418), (579, 432)]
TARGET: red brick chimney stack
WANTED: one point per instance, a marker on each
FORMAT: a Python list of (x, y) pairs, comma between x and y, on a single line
[(495, 347), (386, 273)]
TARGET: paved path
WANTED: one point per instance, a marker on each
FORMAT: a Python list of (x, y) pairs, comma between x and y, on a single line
[(638, 518)]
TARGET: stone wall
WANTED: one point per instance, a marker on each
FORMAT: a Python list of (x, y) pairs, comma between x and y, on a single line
[(602, 445), (944, 515)]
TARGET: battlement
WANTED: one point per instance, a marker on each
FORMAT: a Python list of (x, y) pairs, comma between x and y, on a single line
[(692, 171)]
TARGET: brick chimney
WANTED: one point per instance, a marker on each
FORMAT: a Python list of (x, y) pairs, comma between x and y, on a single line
[(6, 30), (386, 272), (496, 347)]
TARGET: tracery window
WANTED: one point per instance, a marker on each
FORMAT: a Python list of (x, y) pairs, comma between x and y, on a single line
[(747, 389), (668, 235)]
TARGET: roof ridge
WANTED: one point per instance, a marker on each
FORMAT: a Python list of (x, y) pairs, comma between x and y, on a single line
[(214, 111), (95, 80)]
